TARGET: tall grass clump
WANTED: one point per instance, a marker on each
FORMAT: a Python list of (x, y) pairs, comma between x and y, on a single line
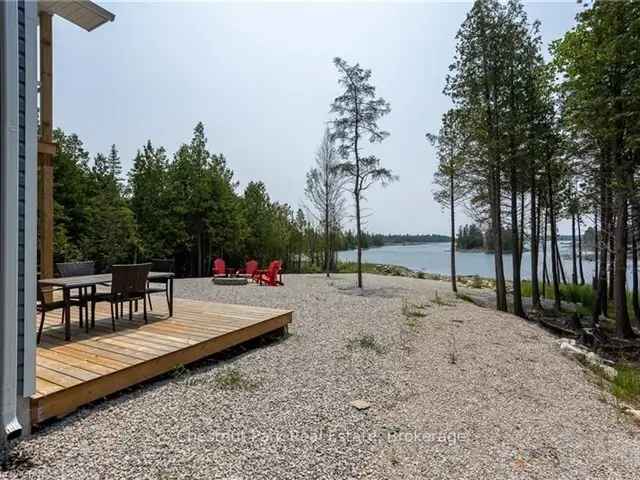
[(581, 295), (626, 385)]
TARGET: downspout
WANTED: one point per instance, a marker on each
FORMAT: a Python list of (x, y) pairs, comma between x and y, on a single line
[(8, 219)]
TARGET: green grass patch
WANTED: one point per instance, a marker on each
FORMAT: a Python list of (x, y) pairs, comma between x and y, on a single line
[(626, 385), (579, 294)]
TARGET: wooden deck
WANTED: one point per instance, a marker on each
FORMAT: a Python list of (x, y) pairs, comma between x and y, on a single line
[(92, 366)]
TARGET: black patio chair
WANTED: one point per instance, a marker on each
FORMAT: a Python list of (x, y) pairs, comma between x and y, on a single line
[(159, 265), (43, 306), (77, 269), (128, 284)]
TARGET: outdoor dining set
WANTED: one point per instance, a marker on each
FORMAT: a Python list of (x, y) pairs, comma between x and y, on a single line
[(81, 287), (78, 285)]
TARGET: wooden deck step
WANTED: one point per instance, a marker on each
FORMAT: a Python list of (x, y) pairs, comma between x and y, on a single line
[(96, 364)]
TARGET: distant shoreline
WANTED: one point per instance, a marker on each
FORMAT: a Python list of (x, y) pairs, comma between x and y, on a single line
[(407, 244)]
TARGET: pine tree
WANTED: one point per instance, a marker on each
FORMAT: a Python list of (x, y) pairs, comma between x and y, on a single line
[(357, 114), (452, 146)]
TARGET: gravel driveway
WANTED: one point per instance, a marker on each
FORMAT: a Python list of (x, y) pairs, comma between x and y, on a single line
[(455, 391)]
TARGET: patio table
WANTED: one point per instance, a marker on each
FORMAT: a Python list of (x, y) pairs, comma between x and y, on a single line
[(91, 281)]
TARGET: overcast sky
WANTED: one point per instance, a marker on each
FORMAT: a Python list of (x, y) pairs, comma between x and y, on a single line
[(260, 76)]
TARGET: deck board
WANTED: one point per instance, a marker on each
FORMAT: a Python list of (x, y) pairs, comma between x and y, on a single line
[(102, 362)]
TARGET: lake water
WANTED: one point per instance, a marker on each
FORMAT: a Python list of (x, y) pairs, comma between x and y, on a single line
[(435, 258)]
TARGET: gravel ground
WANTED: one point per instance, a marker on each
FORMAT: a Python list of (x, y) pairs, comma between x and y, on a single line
[(461, 392)]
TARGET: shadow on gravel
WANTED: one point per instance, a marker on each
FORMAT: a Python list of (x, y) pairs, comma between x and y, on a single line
[(17, 462)]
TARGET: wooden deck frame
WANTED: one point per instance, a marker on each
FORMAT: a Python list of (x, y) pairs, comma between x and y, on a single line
[(93, 366)]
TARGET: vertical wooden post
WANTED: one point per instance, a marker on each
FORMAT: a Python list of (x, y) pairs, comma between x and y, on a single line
[(45, 155)]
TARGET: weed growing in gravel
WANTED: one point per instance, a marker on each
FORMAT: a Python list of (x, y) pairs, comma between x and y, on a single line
[(441, 301), (453, 351), (413, 311), (233, 379), (626, 385), (179, 371), (366, 342)]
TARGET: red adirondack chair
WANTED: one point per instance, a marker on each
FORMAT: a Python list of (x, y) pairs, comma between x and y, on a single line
[(249, 270), (220, 270), (270, 276)]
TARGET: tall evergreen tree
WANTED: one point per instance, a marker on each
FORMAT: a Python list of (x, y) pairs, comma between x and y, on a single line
[(358, 111), (452, 145), (148, 184)]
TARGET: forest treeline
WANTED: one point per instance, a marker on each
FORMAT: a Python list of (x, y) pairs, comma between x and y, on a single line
[(530, 142), (369, 240), (471, 237), (184, 206)]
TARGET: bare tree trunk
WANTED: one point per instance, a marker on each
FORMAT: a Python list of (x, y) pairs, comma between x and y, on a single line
[(545, 273), (600, 305), (515, 257), (574, 253), (535, 239), (580, 251), (521, 251), (554, 246), (612, 256), (596, 248), (559, 260), (357, 193), (359, 234), (496, 224), (635, 235), (623, 325), (454, 285), (327, 243), (634, 265)]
